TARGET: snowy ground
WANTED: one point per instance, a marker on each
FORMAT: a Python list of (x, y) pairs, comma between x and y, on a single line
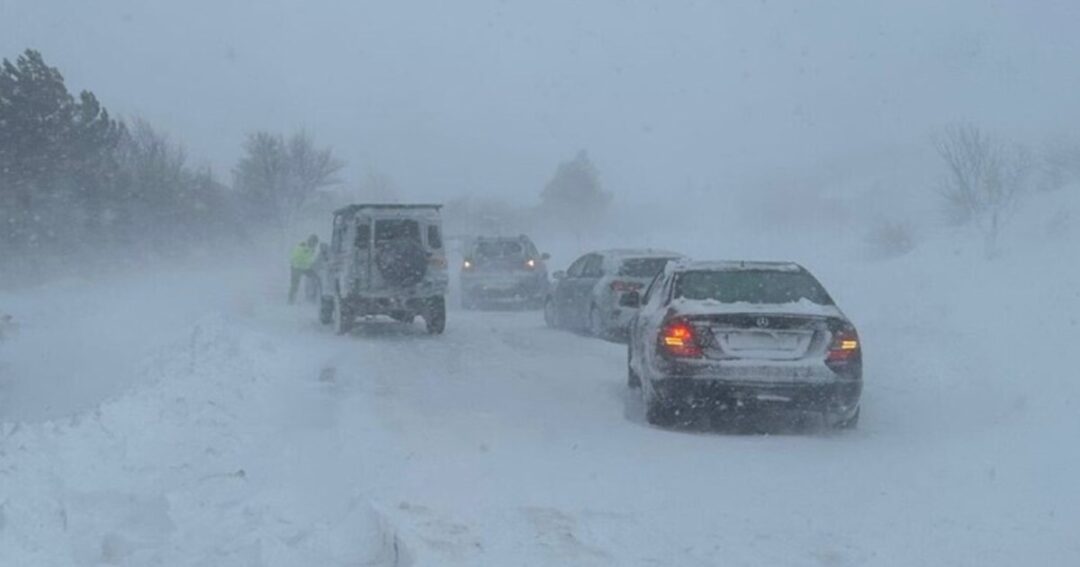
[(191, 419)]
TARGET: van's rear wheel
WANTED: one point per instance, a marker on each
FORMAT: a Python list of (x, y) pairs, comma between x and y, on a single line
[(343, 317), (435, 315), (326, 310)]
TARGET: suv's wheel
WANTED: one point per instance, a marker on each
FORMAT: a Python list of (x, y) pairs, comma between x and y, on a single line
[(551, 316), (435, 315), (343, 317), (633, 381), (326, 310)]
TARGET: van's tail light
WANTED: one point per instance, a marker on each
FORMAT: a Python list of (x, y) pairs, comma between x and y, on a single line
[(678, 338), (621, 286), (845, 348)]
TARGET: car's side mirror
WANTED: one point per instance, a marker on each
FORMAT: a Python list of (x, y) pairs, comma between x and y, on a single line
[(559, 275), (630, 299), (545, 256)]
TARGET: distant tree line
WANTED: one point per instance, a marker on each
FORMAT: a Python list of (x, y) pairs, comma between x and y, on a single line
[(79, 187)]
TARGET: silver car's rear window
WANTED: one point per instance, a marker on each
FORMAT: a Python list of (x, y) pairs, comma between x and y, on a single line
[(642, 267)]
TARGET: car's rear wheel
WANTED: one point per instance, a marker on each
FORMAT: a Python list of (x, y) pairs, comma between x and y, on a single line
[(435, 315), (633, 381), (403, 316), (326, 310), (596, 323), (343, 317), (660, 413), (551, 316), (844, 422)]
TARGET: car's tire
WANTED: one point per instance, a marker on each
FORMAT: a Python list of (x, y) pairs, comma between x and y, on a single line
[(403, 316), (596, 324), (343, 317), (551, 314), (842, 423), (660, 413), (326, 310), (402, 262), (633, 380), (435, 315)]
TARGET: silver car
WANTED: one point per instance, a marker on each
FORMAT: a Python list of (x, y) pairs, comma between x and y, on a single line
[(728, 336), (587, 296)]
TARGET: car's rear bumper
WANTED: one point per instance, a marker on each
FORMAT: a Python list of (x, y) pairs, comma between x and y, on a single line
[(503, 289), (839, 396)]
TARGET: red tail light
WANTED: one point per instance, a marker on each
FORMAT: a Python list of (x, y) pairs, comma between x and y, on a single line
[(678, 338), (530, 264), (845, 347), (622, 286)]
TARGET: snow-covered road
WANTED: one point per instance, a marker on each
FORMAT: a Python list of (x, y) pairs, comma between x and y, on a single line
[(246, 434)]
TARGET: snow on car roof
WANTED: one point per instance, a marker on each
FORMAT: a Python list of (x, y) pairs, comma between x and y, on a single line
[(388, 208), (684, 306), (624, 253), (733, 265)]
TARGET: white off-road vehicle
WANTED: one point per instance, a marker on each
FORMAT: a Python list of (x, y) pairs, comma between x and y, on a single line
[(385, 260)]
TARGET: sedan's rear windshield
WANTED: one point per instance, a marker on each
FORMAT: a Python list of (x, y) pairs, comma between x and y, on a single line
[(751, 286), (642, 267), (499, 249)]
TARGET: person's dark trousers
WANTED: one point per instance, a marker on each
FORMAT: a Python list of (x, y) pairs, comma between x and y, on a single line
[(294, 281)]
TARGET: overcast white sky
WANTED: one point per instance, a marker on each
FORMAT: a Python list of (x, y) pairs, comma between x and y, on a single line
[(487, 96)]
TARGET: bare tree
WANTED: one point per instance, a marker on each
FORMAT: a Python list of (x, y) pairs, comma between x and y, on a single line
[(1060, 163), (277, 176), (985, 179)]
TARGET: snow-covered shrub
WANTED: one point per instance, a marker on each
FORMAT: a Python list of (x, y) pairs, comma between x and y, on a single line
[(890, 239)]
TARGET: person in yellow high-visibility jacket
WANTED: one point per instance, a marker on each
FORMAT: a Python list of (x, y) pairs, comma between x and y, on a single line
[(301, 262)]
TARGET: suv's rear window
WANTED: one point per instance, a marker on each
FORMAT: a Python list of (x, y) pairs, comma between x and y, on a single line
[(499, 249), (392, 229), (642, 267), (751, 286)]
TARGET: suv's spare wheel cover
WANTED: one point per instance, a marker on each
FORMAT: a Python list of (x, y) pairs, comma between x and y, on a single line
[(402, 262)]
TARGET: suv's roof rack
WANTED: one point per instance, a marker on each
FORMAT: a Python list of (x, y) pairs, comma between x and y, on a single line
[(353, 208)]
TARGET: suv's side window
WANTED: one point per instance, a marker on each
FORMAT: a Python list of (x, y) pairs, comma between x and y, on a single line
[(578, 267), (594, 267)]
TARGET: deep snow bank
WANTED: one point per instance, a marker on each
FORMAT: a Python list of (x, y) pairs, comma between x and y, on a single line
[(209, 459)]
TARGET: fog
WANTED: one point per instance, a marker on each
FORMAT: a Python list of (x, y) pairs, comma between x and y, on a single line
[(486, 97), (187, 377)]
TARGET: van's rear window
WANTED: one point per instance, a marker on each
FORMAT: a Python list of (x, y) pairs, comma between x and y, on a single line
[(393, 229)]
